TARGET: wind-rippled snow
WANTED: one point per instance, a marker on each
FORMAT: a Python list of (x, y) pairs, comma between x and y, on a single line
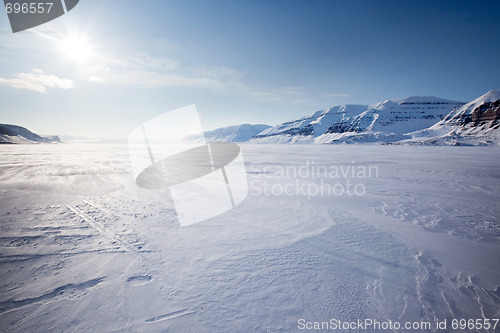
[(83, 249)]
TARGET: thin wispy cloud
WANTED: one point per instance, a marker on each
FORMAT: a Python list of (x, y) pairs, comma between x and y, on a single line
[(38, 81), (141, 70), (151, 79), (328, 95), (295, 95), (153, 65), (96, 79)]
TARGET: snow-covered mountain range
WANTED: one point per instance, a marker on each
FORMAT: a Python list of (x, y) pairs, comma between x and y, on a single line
[(18, 134), (308, 128), (410, 120), (381, 122)]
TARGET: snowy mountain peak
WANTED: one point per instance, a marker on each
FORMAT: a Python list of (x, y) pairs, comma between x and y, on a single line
[(237, 133), (474, 123), (489, 97), (455, 116), (306, 129), (424, 100), (340, 111)]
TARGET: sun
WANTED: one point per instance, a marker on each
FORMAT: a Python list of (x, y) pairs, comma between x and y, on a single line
[(77, 48)]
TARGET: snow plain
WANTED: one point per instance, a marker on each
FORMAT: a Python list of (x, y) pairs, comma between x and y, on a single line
[(82, 248)]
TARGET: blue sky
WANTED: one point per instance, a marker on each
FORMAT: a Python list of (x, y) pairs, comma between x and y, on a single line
[(240, 61)]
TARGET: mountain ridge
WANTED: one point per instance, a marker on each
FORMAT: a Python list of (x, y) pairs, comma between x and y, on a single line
[(475, 123), (15, 134), (426, 120), (235, 133), (384, 121)]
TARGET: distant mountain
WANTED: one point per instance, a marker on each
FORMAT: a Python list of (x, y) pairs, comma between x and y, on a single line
[(475, 123), (409, 120), (237, 133), (18, 134), (381, 122)]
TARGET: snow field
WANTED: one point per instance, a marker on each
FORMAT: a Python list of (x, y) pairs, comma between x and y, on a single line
[(82, 248)]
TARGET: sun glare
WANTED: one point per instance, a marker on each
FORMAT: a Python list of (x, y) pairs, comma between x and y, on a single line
[(77, 48)]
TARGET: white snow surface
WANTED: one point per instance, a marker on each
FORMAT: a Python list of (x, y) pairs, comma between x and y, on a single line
[(83, 249), (17, 139)]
